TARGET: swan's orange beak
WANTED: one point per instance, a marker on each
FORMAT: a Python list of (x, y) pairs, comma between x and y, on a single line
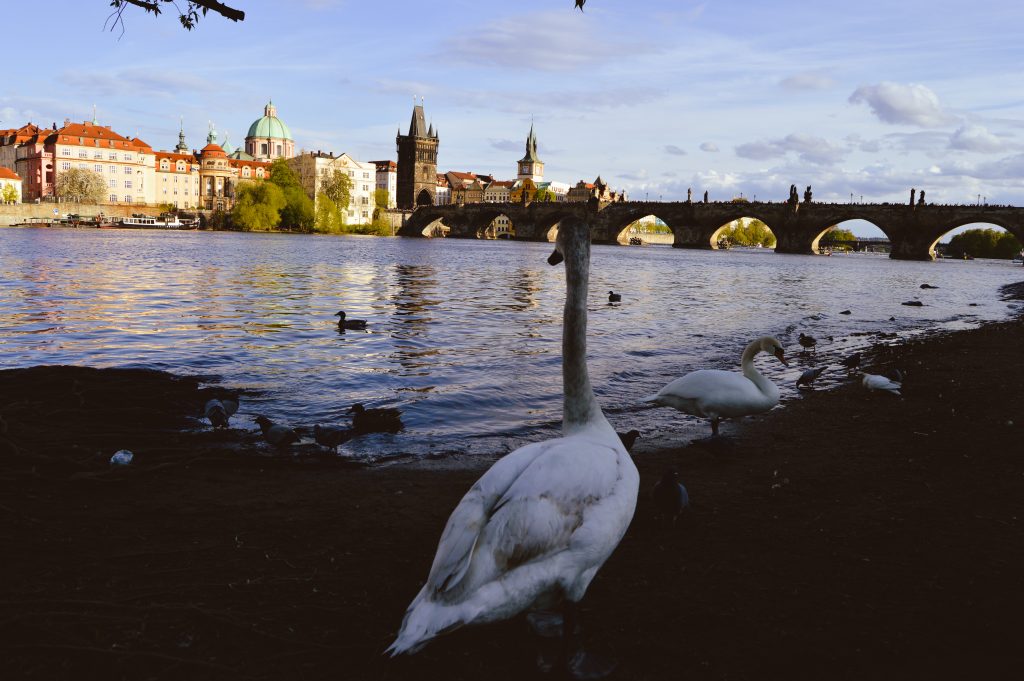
[(555, 257), (779, 353)]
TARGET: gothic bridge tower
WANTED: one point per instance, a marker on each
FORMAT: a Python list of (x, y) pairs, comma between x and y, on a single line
[(417, 162)]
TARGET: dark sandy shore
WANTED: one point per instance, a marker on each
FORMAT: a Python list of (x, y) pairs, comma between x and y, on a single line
[(846, 536)]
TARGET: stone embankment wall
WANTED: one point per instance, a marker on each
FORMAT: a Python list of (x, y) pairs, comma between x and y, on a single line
[(12, 214)]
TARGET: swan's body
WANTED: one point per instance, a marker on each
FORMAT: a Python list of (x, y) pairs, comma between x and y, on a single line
[(716, 394), (536, 527), (876, 382)]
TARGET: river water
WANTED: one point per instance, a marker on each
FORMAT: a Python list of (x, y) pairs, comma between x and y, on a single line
[(463, 336)]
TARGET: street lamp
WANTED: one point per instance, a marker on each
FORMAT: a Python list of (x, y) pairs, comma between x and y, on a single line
[(851, 197)]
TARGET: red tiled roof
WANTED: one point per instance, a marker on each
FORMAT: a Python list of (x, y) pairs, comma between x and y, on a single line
[(212, 150), (8, 174)]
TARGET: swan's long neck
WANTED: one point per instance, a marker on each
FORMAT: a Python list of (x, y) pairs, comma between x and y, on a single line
[(751, 372), (581, 407)]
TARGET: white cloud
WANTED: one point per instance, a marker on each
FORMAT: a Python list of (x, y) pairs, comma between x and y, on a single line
[(709, 147), (674, 150), (809, 80), (545, 41), (975, 138), (903, 104), (506, 145), (810, 149)]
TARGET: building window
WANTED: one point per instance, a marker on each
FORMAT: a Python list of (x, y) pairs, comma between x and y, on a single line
[(65, 151), (128, 158), (98, 168), (364, 214), (366, 175), (365, 201), (127, 170), (113, 198), (279, 152), (82, 166), (113, 183), (127, 184), (263, 149), (82, 153), (65, 165), (112, 169), (128, 199), (112, 156), (97, 154)]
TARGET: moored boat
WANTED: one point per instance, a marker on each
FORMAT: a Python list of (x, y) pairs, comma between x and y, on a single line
[(149, 222)]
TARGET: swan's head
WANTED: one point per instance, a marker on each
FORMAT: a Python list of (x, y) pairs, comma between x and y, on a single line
[(572, 241), (772, 346)]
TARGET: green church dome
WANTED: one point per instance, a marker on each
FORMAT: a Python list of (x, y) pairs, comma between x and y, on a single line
[(270, 125)]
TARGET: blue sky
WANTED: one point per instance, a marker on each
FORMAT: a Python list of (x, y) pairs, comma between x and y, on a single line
[(869, 98)]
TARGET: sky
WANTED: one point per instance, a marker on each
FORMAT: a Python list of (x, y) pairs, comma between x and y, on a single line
[(744, 97)]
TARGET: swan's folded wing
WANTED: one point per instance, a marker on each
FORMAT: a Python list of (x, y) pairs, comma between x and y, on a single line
[(460, 536)]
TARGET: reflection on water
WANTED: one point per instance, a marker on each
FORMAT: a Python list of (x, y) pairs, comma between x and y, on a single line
[(463, 336)]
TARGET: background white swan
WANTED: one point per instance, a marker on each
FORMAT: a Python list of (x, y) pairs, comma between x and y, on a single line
[(536, 527), (875, 382), (714, 394)]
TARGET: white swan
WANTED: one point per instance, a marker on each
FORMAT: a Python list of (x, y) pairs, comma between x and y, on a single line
[(715, 394), (536, 527)]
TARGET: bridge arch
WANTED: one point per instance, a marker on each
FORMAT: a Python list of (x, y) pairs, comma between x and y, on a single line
[(818, 243), (742, 231), (493, 224), (1007, 249)]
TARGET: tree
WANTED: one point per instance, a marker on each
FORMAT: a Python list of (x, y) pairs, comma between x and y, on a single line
[(80, 186), (748, 232), (835, 235), (984, 243), (257, 206), (298, 213), (545, 195), (337, 185), (10, 194), (328, 217), (382, 198), (188, 18)]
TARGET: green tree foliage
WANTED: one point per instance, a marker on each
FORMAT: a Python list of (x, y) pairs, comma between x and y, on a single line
[(748, 232), (328, 217), (10, 194), (545, 195), (258, 206), (382, 198), (298, 213), (984, 243), (835, 235), (80, 186), (337, 185)]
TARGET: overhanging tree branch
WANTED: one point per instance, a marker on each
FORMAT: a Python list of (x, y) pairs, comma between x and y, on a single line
[(188, 17)]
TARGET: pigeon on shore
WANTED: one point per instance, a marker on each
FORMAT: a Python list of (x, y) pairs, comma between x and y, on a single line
[(852, 362), (670, 497), (279, 436), (219, 411), (344, 323), (808, 377), (875, 382), (332, 436), (375, 420)]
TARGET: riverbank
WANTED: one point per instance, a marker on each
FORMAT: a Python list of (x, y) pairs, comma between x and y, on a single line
[(847, 535)]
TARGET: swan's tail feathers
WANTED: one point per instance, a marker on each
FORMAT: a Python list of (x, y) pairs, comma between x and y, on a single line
[(424, 621), (651, 398)]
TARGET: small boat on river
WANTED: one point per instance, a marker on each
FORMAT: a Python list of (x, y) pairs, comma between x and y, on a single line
[(150, 222)]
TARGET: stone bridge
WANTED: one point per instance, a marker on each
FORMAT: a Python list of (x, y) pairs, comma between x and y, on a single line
[(913, 230)]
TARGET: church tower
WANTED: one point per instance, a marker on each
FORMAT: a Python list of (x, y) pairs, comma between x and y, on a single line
[(417, 162), (182, 148), (531, 167)]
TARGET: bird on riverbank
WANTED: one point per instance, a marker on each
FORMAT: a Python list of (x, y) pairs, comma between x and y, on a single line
[(808, 342), (344, 323), (376, 419), (218, 411), (852, 362), (714, 394), (614, 297), (808, 378), (534, 530), (669, 497), (279, 436), (332, 436), (875, 382)]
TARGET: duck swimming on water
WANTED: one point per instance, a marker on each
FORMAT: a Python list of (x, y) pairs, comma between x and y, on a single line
[(344, 323)]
